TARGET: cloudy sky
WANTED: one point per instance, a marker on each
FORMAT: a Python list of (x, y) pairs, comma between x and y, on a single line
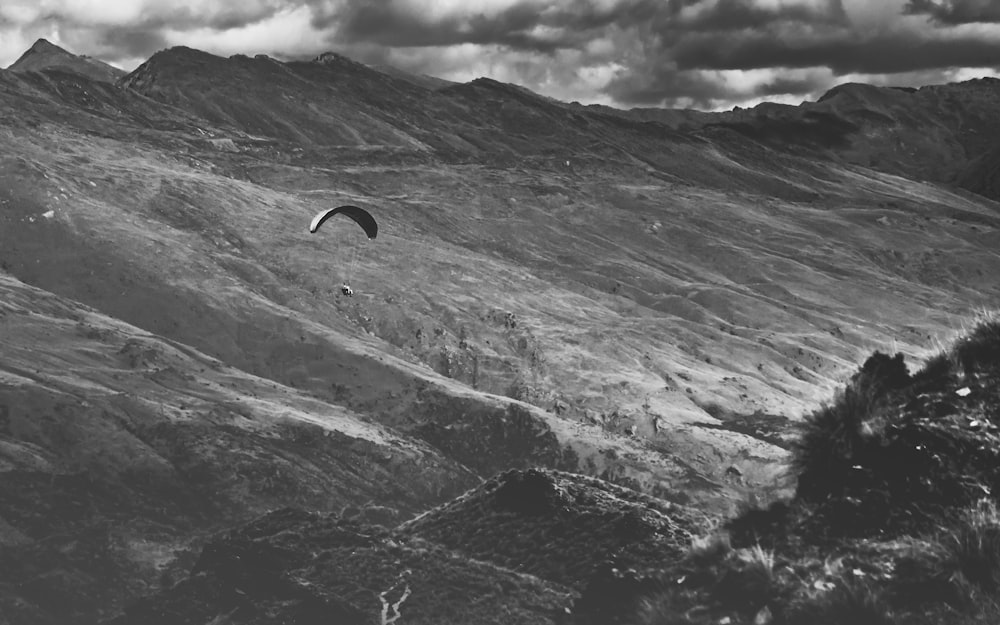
[(707, 54)]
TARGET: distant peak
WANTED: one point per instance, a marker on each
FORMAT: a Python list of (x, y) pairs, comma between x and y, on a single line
[(860, 91), (185, 50), (44, 45), (180, 55), (41, 54)]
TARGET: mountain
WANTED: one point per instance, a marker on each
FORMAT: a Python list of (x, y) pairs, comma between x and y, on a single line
[(564, 288), (43, 55)]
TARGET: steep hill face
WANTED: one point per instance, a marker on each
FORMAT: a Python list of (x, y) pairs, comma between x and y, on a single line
[(44, 55)]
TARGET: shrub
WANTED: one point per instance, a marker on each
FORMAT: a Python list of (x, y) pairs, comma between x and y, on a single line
[(831, 437), (937, 374), (828, 440), (980, 348)]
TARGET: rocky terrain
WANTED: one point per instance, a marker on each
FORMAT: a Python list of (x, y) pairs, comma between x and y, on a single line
[(649, 298)]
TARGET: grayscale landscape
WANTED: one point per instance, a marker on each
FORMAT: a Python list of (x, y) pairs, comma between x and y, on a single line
[(600, 365)]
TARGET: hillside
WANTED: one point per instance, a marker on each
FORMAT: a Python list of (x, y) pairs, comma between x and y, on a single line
[(552, 286)]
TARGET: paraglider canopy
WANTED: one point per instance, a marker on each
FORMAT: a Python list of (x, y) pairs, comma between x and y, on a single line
[(360, 216)]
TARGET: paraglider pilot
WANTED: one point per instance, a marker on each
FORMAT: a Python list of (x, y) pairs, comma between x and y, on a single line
[(360, 216)]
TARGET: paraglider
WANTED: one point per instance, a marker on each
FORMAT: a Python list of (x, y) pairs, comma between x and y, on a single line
[(359, 216), (362, 217)]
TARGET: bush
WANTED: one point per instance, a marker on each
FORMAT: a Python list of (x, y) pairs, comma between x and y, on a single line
[(937, 374), (980, 348), (831, 437)]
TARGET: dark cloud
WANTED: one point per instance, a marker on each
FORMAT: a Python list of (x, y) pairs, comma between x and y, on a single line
[(955, 12), (219, 16), (730, 15), (568, 25), (521, 26), (842, 52), (644, 34), (679, 59), (387, 23)]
